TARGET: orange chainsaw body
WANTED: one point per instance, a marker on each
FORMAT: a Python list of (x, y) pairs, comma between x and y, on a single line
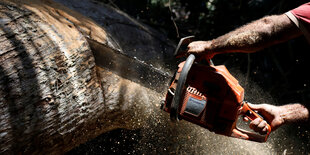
[(216, 94), (209, 96)]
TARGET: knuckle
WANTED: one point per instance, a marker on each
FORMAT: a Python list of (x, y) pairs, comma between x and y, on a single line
[(251, 125), (261, 126), (257, 121)]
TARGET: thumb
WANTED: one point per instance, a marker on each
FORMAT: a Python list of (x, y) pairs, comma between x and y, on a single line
[(261, 109), (257, 107)]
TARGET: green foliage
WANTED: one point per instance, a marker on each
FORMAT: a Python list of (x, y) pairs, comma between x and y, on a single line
[(161, 2)]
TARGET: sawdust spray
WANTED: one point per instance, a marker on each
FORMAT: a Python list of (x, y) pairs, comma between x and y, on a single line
[(160, 136)]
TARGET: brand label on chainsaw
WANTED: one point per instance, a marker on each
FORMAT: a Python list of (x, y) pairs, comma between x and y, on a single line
[(195, 106)]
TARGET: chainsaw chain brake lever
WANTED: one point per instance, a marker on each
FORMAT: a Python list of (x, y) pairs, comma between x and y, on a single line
[(246, 111), (182, 45)]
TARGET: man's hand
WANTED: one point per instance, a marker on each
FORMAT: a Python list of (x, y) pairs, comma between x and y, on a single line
[(201, 48), (272, 114), (278, 115)]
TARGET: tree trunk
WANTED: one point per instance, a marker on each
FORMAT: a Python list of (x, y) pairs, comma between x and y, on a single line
[(53, 97)]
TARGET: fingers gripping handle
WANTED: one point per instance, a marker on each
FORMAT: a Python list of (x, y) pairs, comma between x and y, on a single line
[(182, 49), (244, 134)]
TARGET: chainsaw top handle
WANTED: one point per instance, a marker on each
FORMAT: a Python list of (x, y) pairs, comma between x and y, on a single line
[(182, 49), (174, 111), (182, 45)]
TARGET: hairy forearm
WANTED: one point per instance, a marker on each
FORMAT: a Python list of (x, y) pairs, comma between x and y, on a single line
[(293, 113), (256, 35)]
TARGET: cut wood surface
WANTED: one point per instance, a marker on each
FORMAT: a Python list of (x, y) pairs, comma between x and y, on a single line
[(53, 96)]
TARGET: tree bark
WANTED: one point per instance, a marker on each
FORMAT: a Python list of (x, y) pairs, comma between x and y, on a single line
[(53, 97)]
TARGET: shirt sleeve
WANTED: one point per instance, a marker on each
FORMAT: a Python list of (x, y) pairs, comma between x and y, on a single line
[(301, 17), (302, 13)]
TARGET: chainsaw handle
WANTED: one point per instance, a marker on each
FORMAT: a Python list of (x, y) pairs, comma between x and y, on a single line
[(182, 45), (244, 134), (182, 48), (177, 98)]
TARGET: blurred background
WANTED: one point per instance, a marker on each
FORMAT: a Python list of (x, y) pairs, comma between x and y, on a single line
[(279, 73), (281, 70)]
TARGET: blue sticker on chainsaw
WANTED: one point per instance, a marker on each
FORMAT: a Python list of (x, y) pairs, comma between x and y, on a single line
[(195, 106)]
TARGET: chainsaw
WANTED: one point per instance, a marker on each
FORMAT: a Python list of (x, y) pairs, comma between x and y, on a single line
[(209, 96)]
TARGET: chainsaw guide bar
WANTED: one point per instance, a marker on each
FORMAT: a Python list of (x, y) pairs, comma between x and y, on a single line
[(130, 68)]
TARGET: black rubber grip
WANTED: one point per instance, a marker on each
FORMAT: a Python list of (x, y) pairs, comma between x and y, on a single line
[(174, 110)]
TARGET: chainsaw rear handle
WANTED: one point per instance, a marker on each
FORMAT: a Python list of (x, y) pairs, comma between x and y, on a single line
[(177, 98), (244, 134)]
